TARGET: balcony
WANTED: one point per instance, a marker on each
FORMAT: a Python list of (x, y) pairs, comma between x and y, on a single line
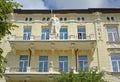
[(29, 70), (31, 74), (65, 44), (50, 37)]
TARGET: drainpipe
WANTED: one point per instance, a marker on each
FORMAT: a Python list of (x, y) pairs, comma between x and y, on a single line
[(30, 57)]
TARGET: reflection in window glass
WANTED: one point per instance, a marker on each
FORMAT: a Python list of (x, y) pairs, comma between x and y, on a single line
[(115, 59)]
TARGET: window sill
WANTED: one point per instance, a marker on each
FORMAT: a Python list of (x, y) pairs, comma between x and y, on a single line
[(114, 73), (113, 41)]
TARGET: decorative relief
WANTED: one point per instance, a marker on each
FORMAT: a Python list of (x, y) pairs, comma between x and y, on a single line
[(98, 25)]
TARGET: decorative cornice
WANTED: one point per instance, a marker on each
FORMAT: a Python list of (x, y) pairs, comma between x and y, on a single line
[(66, 11)]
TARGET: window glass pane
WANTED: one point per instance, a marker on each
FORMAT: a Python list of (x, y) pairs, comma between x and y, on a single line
[(65, 66), (23, 57), (26, 33), (63, 63), (83, 58), (20, 66), (25, 66), (23, 63), (83, 62), (110, 38), (81, 33), (115, 59), (81, 29), (40, 66), (63, 33), (80, 64), (116, 36), (114, 65), (45, 66), (84, 35), (45, 34), (115, 56), (119, 65), (112, 33), (27, 29), (43, 63), (61, 66)]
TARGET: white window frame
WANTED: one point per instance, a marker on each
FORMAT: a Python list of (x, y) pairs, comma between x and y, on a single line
[(113, 38), (82, 33), (27, 34), (63, 34), (45, 34), (82, 61), (23, 64), (43, 64), (63, 62), (118, 68)]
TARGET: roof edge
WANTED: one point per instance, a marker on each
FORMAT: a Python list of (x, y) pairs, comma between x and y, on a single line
[(66, 11)]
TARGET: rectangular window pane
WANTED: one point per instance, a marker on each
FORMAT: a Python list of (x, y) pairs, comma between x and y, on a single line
[(85, 64), (81, 64), (114, 65), (45, 34), (40, 66), (61, 66), (119, 64), (66, 66), (116, 38), (27, 33), (45, 66), (20, 66), (110, 38)]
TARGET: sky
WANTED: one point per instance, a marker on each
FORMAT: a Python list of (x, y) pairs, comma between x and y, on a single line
[(68, 4)]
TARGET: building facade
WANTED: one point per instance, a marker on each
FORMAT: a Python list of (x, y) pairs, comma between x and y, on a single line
[(83, 39)]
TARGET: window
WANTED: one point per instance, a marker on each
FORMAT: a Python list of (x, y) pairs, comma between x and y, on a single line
[(110, 19), (83, 62), (28, 19), (23, 63), (81, 19), (112, 33), (81, 33), (115, 60), (63, 63), (63, 19), (45, 19), (27, 33), (43, 63), (45, 33), (63, 33)]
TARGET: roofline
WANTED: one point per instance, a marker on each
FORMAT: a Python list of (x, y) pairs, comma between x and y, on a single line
[(66, 11)]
